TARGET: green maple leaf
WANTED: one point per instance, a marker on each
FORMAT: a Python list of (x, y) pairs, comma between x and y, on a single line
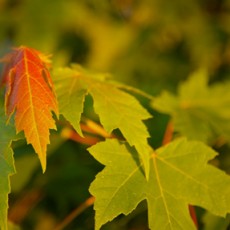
[(7, 134), (200, 112), (179, 176), (71, 92), (116, 108)]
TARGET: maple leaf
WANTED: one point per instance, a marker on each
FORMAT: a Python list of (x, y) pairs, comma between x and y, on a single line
[(71, 92), (198, 105), (29, 92), (116, 108), (7, 135), (179, 175)]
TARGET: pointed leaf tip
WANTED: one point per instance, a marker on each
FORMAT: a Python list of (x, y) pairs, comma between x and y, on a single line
[(116, 108), (30, 94), (174, 183)]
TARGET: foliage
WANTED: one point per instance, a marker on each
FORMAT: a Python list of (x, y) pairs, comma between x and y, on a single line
[(29, 92), (110, 103), (171, 187), (198, 104), (6, 165), (142, 158)]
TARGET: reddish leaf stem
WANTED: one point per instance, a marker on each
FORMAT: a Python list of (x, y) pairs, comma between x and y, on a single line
[(95, 128), (168, 133), (72, 135), (19, 211), (76, 212)]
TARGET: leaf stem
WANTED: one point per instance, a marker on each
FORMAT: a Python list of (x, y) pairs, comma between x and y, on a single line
[(76, 212), (19, 211), (71, 134), (95, 128), (136, 91), (168, 133)]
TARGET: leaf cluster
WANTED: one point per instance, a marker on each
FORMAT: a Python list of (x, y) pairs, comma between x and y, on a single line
[(167, 172), (170, 178)]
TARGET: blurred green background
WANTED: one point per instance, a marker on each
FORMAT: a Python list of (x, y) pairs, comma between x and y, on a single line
[(137, 41), (149, 44)]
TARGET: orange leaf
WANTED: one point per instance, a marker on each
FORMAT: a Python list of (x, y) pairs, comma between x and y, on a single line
[(29, 92)]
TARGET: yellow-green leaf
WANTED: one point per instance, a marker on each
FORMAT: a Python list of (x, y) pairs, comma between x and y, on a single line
[(7, 134), (116, 108), (179, 176), (199, 111)]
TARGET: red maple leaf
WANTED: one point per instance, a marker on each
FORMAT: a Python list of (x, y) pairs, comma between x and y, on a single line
[(29, 93)]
